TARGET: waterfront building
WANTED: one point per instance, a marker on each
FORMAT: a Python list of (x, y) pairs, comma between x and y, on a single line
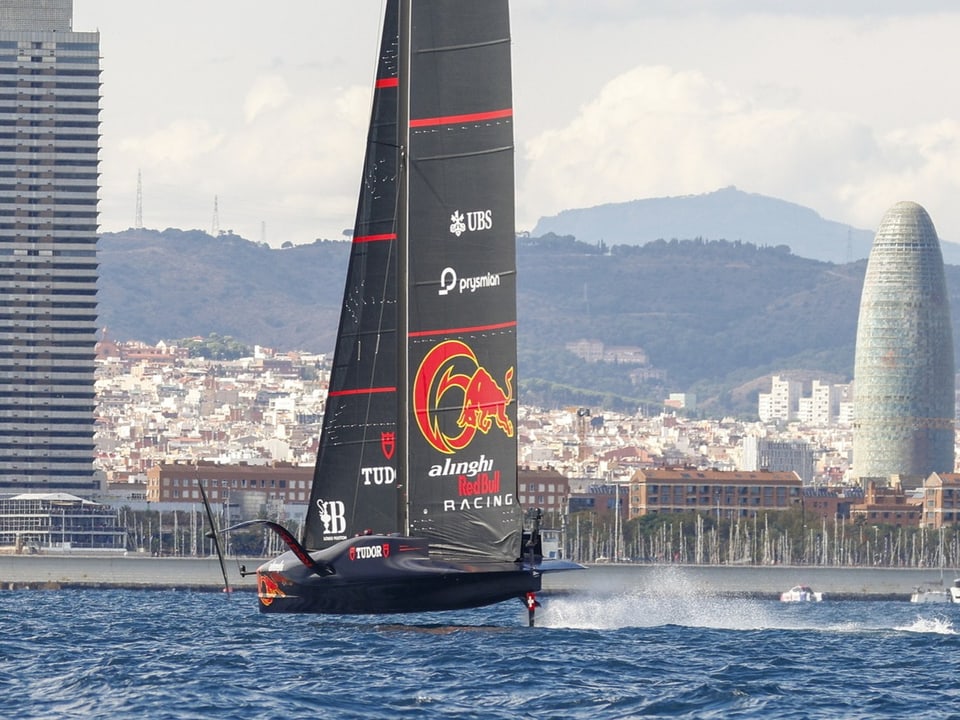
[(887, 505), (941, 500), (252, 490), (602, 501), (722, 493), (544, 488), (49, 144), (34, 522), (832, 503), (904, 364)]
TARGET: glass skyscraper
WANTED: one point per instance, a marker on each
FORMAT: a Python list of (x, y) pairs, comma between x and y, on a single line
[(904, 365), (49, 147)]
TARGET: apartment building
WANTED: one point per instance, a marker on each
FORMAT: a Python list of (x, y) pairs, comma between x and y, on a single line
[(49, 146), (726, 494)]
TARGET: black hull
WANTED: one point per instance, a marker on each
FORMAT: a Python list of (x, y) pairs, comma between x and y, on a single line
[(387, 574), (454, 591)]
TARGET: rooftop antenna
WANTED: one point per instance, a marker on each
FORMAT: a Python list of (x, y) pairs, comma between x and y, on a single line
[(138, 220), (263, 231), (215, 227)]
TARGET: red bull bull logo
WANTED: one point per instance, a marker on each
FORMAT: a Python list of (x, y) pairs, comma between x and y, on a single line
[(268, 589), (441, 382)]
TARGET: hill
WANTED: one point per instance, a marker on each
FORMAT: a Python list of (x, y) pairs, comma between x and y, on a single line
[(175, 284), (712, 315), (726, 214), (708, 316)]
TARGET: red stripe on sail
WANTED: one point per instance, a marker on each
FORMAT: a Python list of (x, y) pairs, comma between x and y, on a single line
[(386, 83), (470, 117), (362, 391), (375, 238), (463, 330)]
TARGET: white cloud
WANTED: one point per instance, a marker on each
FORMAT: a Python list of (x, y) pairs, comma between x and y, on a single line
[(268, 92), (844, 107), (654, 131)]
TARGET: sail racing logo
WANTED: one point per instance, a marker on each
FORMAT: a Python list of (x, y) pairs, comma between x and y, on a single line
[(441, 382), (473, 221)]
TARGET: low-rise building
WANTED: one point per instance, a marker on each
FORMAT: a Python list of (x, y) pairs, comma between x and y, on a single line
[(544, 488), (941, 500), (62, 522), (253, 488), (888, 505), (725, 493), (602, 501)]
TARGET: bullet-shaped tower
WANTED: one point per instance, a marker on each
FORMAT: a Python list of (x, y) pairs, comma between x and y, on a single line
[(904, 366)]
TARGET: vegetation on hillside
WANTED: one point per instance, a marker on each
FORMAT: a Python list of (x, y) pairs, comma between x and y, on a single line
[(215, 347), (711, 316)]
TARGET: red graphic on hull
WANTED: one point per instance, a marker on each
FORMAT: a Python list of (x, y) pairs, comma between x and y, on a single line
[(268, 589)]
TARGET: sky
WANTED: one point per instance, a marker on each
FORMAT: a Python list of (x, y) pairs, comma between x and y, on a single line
[(250, 117)]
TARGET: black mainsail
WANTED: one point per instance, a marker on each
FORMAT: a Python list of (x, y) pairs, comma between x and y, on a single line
[(355, 486), (414, 501), (461, 281), (419, 431)]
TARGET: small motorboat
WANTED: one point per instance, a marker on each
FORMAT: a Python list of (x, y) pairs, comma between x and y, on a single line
[(800, 593), (932, 594)]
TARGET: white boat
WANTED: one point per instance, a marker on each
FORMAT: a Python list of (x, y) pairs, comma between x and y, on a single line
[(935, 592), (931, 594), (800, 593)]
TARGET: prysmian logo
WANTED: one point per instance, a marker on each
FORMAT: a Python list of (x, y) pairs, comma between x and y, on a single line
[(472, 221), (449, 282)]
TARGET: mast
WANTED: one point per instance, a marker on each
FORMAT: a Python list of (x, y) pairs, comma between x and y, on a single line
[(403, 248)]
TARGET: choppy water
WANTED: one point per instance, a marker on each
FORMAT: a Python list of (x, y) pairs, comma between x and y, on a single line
[(672, 654)]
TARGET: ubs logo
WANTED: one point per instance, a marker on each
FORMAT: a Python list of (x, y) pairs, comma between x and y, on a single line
[(472, 221)]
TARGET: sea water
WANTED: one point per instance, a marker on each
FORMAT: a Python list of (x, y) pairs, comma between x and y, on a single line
[(657, 652)]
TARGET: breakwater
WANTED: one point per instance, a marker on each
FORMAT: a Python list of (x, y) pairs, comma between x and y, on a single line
[(134, 571), (765, 582), (122, 571)]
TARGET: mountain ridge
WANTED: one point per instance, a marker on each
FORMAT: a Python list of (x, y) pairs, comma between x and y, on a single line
[(724, 214)]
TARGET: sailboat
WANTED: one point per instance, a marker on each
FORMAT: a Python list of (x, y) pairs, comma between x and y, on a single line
[(414, 504)]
